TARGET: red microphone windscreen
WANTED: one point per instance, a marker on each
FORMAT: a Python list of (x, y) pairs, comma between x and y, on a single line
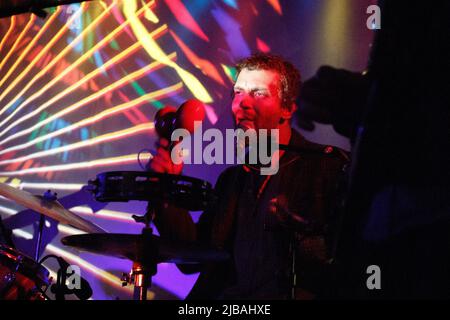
[(189, 112)]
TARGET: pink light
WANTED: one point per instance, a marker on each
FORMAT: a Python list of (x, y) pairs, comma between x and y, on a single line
[(184, 18), (262, 46)]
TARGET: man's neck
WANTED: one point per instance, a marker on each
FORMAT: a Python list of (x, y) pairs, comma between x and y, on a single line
[(285, 134)]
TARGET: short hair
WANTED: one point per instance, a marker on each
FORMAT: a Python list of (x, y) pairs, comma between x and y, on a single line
[(290, 78)]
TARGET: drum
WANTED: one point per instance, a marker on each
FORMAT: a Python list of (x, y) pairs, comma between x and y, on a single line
[(185, 192), (20, 276)]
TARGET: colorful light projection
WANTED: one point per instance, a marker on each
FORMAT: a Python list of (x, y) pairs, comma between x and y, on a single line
[(79, 90)]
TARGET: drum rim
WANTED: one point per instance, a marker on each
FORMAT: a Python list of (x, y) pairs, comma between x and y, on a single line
[(25, 265)]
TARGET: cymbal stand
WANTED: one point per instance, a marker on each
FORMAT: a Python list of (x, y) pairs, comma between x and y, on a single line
[(48, 196), (146, 267)]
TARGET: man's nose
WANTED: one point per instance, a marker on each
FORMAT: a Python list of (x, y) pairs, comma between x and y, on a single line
[(246, 102)]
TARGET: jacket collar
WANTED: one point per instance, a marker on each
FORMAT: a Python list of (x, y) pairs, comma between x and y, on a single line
[(296, 140)]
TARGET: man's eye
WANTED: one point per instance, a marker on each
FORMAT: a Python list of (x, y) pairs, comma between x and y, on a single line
[(237, 92), (260, 94)]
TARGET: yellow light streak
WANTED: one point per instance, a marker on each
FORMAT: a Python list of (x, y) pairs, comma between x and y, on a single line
[(11, 28), (103, 4), (42, 186), (23, 234), (108, 214), (51, 186), (87, 143), (25, 72), (7, 211), (98, 117), (113, 86), (119, 57), (69, 230), (19, 38), (149, 14), (82, 210), (130, 158), (155, 51), (55, 60), (30, 45), (75, 64)]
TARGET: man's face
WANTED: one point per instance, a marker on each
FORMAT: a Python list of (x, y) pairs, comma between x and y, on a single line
[(257, 103)]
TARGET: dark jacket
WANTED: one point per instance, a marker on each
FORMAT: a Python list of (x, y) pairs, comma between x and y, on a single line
[(307, 180)]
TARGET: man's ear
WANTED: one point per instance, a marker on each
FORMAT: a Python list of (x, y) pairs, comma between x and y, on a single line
[(287, 113)]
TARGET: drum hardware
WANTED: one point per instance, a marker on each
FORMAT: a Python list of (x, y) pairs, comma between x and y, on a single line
[(37, 252), (156, 188), (182, 191), (146, 250), (137, 278), (7, 281), (134, 277), (48, 196), (21, 277), (141, 249), (60, 288), (144, 269)]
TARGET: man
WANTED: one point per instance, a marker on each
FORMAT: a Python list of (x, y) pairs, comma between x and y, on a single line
[(267, 223)]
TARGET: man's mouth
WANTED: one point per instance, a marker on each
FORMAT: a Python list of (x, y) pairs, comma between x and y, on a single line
[(245, 124)]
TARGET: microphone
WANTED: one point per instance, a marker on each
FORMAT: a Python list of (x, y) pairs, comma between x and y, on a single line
[(188, 114), (165, 121), (169, 118), (60, 288)]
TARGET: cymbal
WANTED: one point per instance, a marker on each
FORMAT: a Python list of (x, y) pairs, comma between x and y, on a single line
[(52, 209), (133, 246)]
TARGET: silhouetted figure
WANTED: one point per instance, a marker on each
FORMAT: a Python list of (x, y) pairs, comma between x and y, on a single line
[(398, 118)]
